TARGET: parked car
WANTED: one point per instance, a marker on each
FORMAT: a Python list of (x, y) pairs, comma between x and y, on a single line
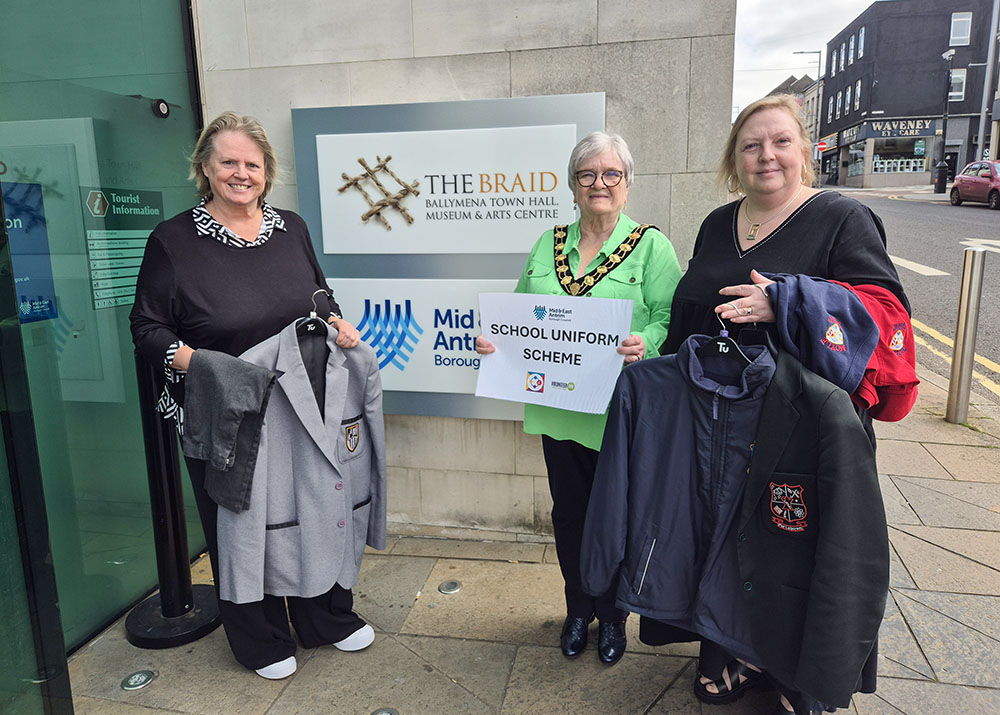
[(979, 181)]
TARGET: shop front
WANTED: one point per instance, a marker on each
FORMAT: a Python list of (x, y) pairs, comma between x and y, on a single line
[(894, 152)]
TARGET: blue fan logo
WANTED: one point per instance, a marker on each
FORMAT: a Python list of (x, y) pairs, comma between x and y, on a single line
[(391, 330), (539, 312)]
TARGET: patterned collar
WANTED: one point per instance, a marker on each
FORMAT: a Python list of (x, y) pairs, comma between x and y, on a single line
[(206, 225)]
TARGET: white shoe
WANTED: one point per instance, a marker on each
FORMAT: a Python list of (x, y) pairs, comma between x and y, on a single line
[(279, 670), (359, 640)]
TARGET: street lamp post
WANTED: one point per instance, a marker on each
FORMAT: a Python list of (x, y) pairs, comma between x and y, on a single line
[(940, 165)]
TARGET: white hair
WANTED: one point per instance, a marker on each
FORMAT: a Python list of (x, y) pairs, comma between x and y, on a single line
[(597, 143)]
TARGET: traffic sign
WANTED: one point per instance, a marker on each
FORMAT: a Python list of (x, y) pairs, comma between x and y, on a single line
[(821, 146)]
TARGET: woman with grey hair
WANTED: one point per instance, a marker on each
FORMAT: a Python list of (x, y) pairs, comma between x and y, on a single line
[(608, 255)]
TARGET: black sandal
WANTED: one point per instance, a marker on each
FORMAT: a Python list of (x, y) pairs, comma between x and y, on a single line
[(727, 694)]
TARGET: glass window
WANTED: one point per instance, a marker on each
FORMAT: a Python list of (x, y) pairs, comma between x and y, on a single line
[(857, 94), (856, 159), (961, 28), (850, 51), (843, 51), (861, 42), (833, 64), (829, 112), (957, 92), (840, 103), (899, 155), (847, 100), (77, 84)]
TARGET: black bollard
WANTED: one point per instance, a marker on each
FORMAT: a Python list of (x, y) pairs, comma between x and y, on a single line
[(178, 613)]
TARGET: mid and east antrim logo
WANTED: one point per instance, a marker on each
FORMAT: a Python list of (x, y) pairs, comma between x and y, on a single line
[(539, 312), (389, 199), (536, 382), (391, 330)]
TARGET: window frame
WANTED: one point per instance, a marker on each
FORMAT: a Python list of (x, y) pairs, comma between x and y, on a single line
[(847, 100), (833, 63), (953, 96), (857, 95), (958, 18), (850, 51), (843, 48), (840, 103), (861, 42)]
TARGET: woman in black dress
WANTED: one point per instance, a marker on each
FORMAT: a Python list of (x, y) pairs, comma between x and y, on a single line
[(779, 224), (224, 276)]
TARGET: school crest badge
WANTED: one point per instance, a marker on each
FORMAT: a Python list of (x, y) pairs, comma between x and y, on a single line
[(788, 507), (834, 338), (352, 435), (898, 344)]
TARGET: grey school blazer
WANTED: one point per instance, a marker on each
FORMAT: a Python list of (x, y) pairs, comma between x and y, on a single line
[(319, 481)]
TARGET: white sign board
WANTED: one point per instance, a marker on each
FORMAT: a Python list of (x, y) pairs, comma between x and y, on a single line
[(558, 351), (454, 191), (423, 331)]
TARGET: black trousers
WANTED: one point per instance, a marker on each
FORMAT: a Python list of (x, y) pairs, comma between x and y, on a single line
[(571, 468), (258, 632)]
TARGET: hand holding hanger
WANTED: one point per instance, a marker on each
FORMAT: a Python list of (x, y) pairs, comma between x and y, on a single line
[(749, 302)]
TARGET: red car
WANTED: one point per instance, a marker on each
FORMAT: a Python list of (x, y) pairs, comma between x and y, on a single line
[(979, 181)]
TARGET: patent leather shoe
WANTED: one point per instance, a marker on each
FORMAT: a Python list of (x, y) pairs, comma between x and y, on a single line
[(611, 641), (573, 640)]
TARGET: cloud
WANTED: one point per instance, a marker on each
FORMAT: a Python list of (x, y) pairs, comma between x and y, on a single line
[(768, 32)]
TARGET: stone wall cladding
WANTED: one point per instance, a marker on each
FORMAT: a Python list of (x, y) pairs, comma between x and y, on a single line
[(666, 69)]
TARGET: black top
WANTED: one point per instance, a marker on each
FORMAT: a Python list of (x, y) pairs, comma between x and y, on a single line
[(223, 297), (828, 236)]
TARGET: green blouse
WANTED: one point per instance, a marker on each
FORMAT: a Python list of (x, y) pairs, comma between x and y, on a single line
[(647, 276)]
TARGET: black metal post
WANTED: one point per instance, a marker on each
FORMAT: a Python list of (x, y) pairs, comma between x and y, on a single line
[(178, 613)]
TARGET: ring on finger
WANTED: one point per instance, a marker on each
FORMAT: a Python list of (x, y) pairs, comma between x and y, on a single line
[(749, 310)]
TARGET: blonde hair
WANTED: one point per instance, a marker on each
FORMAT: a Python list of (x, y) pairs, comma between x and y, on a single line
[(727, 175), (231, 122)]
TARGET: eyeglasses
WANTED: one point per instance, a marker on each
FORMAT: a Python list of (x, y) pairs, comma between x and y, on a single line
[(612, 177)]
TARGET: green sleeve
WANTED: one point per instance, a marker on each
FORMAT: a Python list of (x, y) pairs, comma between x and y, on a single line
[(660, 276)]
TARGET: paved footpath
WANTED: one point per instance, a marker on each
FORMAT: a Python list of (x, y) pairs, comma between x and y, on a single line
[(492, 646)]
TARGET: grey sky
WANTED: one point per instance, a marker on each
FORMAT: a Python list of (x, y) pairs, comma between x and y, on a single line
[(769, 31)]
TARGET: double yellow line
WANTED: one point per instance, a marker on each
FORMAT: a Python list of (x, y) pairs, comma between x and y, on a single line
[(946, 356)]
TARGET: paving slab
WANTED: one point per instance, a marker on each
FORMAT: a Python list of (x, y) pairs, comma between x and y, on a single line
[(936, 569), (95, 706), (899, 577), (975, 464), (897, 509), (201, 677), (543, 682), (480, 667), (926, 428), (898, 651), (386, 674), (508, 603), (980, 546), (914, 697), (981, 613), (898, 457), (960, 505), (387, 588), (482, 550)]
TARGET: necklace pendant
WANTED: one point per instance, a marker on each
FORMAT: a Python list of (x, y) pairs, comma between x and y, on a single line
[(752, 233)]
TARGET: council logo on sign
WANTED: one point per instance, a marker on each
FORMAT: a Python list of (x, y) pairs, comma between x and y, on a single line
[(391, 330), (388, 199), (535, 382), (539, 312)]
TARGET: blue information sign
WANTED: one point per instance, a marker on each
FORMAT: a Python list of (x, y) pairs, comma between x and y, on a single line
[(29, 250)]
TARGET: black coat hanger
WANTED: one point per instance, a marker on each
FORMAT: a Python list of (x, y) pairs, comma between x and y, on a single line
[(313, 325), (723, 346)]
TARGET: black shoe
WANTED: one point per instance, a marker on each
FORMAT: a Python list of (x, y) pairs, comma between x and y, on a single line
[(573, 640), (611, 641)]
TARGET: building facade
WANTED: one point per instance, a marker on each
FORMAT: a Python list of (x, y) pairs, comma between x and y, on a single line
[(886, 89)]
